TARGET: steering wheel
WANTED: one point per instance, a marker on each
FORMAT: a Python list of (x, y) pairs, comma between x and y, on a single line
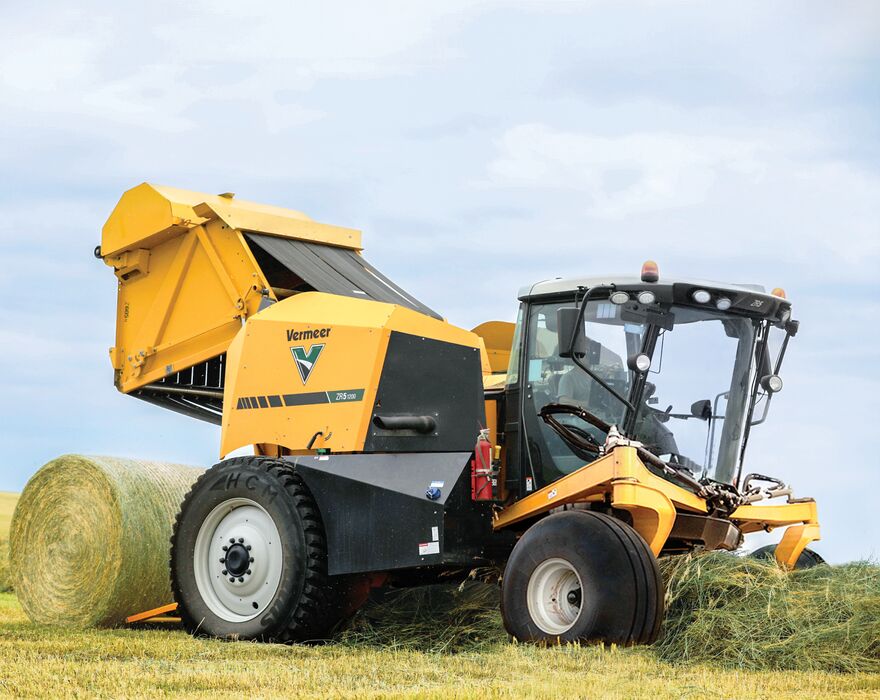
[(577, 430)]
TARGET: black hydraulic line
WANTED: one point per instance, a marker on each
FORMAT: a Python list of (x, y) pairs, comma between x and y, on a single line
[(553, 408), (579, 441)]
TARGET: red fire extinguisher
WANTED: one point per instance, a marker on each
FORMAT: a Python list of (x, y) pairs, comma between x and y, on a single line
[(482, 473)]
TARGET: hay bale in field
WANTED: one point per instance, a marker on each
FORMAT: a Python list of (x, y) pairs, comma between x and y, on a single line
[(90, 537)]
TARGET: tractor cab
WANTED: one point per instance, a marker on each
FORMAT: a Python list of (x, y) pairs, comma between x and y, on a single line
[(684, 367)]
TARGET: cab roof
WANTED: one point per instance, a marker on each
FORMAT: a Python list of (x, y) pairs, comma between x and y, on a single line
[(559, 285)]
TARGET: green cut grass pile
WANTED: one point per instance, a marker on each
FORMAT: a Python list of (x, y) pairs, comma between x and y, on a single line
[(744, 613), (724, 610)]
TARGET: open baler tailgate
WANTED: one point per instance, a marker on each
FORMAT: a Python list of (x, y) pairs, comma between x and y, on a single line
[(192, 267)]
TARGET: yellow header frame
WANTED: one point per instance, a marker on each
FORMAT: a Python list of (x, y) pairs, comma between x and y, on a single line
[(622, 478)]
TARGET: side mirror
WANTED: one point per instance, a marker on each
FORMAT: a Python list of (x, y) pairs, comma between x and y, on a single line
[(568, 327), (702, 409)]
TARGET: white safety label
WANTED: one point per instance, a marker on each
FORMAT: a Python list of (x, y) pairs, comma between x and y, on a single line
[(429, 548), (435, 533)]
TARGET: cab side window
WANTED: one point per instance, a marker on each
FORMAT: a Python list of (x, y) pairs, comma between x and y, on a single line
[(546, 381)]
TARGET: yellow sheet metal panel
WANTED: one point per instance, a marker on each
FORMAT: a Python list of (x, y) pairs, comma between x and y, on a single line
[(185, 306), (311, 364), (150, 214), (498, 337), (620, 466), (143, 218), (793, 543), (755, 518)]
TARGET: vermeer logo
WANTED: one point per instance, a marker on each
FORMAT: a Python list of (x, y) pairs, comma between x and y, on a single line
[(305, 360), (308, 335)]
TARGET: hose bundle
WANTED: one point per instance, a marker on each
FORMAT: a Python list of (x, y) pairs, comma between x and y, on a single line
[(89, 538)]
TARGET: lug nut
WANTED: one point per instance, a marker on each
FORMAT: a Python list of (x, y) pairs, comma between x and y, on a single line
[(224, 572), (248, 548), (222, 560), (231, 540), (240, 579), (241, 539), (225, 547), (248, 572), (252, 560), (231, 579)]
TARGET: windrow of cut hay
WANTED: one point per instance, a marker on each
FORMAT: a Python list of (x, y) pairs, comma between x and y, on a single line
[(726, 610), (749, 614)]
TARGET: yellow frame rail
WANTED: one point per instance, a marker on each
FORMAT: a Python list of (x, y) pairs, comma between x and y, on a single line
[(621, 478)]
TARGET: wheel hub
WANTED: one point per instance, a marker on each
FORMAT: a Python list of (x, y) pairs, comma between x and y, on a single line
[(237, 560), (554, 596)]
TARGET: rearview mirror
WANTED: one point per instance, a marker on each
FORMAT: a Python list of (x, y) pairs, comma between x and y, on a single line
[(702, 409), (568, 326)]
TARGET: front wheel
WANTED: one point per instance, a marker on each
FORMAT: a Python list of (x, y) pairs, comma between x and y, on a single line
[(582, 576), (249, 556), (807, 559)]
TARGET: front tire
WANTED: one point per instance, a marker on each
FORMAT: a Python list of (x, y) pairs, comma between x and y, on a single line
[(582, 576), (807, 559), (249, 556)]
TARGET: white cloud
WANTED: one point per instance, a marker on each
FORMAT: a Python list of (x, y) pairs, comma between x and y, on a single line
[(758, 193), (622, 175)]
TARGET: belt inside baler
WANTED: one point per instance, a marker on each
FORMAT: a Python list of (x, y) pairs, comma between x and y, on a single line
[(326, 268)]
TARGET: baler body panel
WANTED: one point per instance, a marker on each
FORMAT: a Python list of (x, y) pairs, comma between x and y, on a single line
[(193, 267), (307, 373), (377, 517), (148, 214)]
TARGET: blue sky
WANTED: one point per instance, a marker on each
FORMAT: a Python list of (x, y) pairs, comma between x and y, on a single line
[(480, 146)]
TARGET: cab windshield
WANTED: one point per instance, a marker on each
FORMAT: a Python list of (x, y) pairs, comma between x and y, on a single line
[(693, 406)]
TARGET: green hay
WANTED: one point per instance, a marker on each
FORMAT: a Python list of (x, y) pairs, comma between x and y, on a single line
[(90, 537), (738, 612), (441, 618), (721, 609)]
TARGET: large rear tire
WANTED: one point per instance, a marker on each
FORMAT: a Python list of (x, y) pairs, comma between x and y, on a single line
[(581, 576), (249, 556), (807, 559)]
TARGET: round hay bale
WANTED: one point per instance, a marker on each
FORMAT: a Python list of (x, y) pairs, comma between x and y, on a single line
[(89, 539)]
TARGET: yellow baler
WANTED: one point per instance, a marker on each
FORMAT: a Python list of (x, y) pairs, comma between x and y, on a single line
[(394, 447)]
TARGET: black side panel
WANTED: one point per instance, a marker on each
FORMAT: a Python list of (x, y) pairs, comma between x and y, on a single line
[(425, 377), (377, 516), (326, 268)]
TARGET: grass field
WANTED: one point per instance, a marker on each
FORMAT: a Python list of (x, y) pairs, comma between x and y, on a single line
[(37, 660), (7, 506)]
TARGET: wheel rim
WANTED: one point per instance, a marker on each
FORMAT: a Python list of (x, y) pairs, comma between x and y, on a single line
[(554, 596), (237, 560)]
